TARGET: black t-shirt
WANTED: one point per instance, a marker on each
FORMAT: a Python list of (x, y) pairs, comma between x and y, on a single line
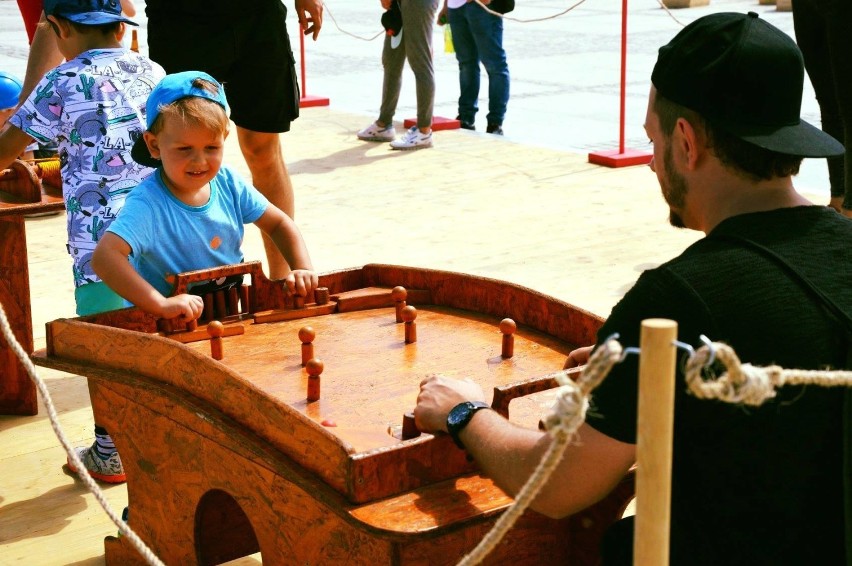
[(750, 485)]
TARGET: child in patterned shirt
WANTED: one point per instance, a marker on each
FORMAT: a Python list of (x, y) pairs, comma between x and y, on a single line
[(93, 105)]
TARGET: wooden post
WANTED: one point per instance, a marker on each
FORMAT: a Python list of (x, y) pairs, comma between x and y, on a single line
[(654, 442)]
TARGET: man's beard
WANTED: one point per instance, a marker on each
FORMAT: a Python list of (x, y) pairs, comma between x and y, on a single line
[(675, 189)]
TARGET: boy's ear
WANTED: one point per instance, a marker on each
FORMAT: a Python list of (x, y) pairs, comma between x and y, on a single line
[(151, 141), (61, 25)]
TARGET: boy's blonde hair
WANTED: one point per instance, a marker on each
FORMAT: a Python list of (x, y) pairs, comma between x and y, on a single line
[(195, 111)]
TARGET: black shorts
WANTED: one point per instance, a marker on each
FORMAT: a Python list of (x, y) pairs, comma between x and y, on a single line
[(247, 50)]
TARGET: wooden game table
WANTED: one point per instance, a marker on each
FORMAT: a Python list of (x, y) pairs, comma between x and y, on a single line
[(227, 457), (21, 193)]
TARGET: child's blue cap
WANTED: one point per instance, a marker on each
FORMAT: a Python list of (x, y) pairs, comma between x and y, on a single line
[(171, 89), (87, 12), (10, 91)]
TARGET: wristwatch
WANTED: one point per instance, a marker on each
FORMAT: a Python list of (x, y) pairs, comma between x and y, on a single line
[(460, 415)]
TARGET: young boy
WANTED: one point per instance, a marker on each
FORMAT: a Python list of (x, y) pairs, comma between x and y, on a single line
[(189, 214), (93, 105)]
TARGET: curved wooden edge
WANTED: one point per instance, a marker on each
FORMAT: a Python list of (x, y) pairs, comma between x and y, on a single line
[(491, 296), (153, 358)]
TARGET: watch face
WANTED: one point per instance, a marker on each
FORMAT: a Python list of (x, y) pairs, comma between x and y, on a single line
[(458, 415)]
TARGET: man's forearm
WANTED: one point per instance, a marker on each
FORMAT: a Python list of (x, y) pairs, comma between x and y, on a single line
[(44, 55)]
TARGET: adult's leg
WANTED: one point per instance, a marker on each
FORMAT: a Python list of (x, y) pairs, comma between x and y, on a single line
[(838, 17), (265, 159), (487, 32), (468, 59), (392, 63), (811, 25), (419, 20)]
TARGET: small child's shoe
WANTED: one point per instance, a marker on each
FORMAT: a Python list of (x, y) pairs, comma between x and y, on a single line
[(374, 132), (107, 470)]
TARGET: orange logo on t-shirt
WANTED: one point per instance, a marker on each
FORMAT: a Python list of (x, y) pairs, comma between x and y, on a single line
[(215, 242)]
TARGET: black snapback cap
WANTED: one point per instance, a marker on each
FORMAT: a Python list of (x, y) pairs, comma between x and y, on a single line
[(745, 76)]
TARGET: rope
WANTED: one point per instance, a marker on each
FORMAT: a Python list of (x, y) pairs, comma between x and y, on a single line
[(134, 539), (748, 384), (562, 423)]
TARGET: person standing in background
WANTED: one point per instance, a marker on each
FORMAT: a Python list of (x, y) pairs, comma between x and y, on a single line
[(822, 32), (478, 38)]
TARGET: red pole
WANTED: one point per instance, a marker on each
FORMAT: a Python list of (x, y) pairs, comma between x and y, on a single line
[(623, 157), (306, 101), (623, 75)]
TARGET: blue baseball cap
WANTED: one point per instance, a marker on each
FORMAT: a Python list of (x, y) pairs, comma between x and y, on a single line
[(87, 12), (171, 89), (10, 91)]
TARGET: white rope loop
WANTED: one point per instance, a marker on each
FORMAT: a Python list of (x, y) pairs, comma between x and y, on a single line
[(751, 385), (82, 471)]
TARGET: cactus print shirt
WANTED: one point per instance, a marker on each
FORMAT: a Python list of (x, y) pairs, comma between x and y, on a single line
[(94, 107)]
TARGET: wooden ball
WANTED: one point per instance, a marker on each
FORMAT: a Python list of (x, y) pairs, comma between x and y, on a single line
[(215, 329), (409, 313), (307, 334), (314, 367), (508, 326), (399, 293)]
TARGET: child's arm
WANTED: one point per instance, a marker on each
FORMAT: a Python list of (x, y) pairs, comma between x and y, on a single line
[(111, 264), (283, 231), (13, 142)]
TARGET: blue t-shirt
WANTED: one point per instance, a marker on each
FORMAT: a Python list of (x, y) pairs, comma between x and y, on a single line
[(168, 237)]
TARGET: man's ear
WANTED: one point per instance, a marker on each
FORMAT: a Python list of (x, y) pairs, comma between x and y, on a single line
[(152, 143), (688, 142)]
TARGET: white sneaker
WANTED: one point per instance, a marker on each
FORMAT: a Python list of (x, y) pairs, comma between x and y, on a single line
[(374, 132), (413, 139)]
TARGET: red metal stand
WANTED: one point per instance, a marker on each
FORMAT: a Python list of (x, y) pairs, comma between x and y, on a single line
[(438, 123), (621, 157), (306, 100)]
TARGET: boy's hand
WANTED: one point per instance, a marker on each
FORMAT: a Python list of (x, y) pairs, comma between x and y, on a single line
[(189, 307), (310, 16), (301, 282)]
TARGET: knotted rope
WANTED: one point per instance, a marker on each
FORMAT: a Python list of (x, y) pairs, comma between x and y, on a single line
[(748, 384), (82, 471), (567, 415)]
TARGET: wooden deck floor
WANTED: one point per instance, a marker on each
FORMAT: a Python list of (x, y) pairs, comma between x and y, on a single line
[(475, 203)]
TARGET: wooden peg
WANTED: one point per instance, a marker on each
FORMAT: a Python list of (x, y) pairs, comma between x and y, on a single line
[(233, 301), (314, 368), (215, 329), (508, 328), (208, 307), (298, 302), (307, 335), (409, 313), (321, 294), (245, 307), (409, 429), (399, 294), (219, 304), (191, 325)]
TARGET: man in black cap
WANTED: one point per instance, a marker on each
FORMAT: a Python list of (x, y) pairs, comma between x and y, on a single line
[(750, 485)]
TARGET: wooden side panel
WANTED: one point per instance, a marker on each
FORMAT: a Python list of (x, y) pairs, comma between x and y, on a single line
[(162, 360), (17, 392)]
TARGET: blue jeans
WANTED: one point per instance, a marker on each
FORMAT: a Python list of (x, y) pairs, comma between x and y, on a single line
[(478, 37)]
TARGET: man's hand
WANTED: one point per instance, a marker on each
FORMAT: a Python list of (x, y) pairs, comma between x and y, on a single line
[(310, 16), (438, 395), (578, 357), (189, 307), (301, 282), (386, 4)]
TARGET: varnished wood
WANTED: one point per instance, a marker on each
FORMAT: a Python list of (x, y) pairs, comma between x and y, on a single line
[(327, 468)]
